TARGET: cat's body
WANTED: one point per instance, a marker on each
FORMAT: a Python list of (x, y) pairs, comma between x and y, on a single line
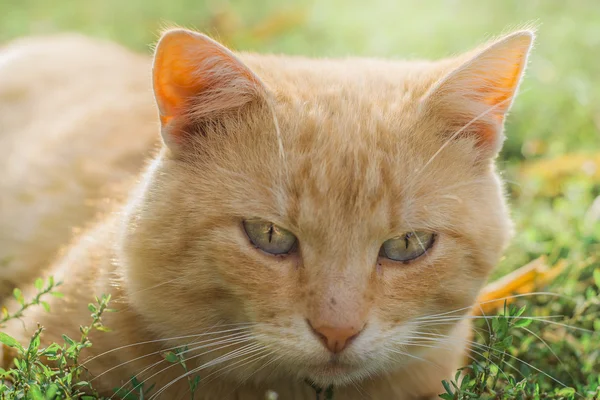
[(77, 123), (343, 153)]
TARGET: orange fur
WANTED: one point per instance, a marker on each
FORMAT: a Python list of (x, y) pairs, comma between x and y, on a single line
[(346, 154)]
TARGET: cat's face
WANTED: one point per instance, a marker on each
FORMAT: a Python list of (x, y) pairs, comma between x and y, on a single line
[(318, 214)]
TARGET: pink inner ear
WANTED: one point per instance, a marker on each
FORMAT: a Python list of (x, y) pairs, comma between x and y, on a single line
[(495, 91), (192, 71)]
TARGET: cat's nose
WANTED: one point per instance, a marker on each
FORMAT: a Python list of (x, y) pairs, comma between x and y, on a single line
[(335, 338)]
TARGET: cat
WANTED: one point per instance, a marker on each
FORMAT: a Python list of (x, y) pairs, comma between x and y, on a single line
[(303, 220)]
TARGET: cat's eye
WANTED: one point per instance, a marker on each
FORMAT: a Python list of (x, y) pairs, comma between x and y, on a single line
[(269, 237), (407, 247)]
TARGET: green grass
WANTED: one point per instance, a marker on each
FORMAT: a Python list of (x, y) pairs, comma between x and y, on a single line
[(556, 115)]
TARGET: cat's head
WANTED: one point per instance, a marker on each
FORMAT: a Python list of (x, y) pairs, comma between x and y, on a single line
[(316, 211)]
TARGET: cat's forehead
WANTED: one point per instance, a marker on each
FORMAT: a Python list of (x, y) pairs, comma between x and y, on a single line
[(355, 103), (350, 78)]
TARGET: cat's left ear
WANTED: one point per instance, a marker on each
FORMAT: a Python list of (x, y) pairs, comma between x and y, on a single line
[(474, 98), (196, 79)]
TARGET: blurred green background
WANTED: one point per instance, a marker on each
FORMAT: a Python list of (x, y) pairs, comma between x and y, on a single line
[(556, 118)]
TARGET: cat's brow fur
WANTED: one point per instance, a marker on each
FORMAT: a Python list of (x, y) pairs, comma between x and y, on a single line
[(343, 153)]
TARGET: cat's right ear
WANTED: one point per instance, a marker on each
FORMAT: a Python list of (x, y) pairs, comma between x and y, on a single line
[(474, 98), (195, 79)]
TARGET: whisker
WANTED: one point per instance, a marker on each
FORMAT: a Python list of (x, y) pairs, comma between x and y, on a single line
[(213, 340), (174, 364), (471, 344), (487, 321), (234, 354), (265, 365), (254, 357), (413, 356), (499, 299), (548, 347), (468, 347), (359, 389), (521, 361), (540, 319), (489, 348), (161, 340), (488, 317)]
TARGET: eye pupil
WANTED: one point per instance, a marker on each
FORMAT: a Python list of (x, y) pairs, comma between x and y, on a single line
[(407, 237), (270, 233)]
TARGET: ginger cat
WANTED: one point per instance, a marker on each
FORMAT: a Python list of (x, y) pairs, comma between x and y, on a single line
[(303, 220)]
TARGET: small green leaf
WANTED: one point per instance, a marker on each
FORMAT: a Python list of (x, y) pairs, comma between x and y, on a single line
[(53, 347), (45, 305), (501, 327), (18, 295), (68, 340), (51, 391), (520, 312), (566, 391), (447, 388), (34, 343), (39, 284), (35, 393), (58, 295), (171, 357), (92, 308), (523, 322), (10, 341), (507, 342)]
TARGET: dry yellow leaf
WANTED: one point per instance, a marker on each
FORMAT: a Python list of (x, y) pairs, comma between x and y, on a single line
[(527, 279)]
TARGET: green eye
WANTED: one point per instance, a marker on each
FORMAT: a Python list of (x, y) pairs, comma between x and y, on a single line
[(408, 246), (269, 237)]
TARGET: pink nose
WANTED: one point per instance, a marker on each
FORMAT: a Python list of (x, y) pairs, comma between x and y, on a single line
[(335, 338)]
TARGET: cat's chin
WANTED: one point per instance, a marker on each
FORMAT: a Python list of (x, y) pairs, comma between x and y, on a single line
[(335, 373)]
